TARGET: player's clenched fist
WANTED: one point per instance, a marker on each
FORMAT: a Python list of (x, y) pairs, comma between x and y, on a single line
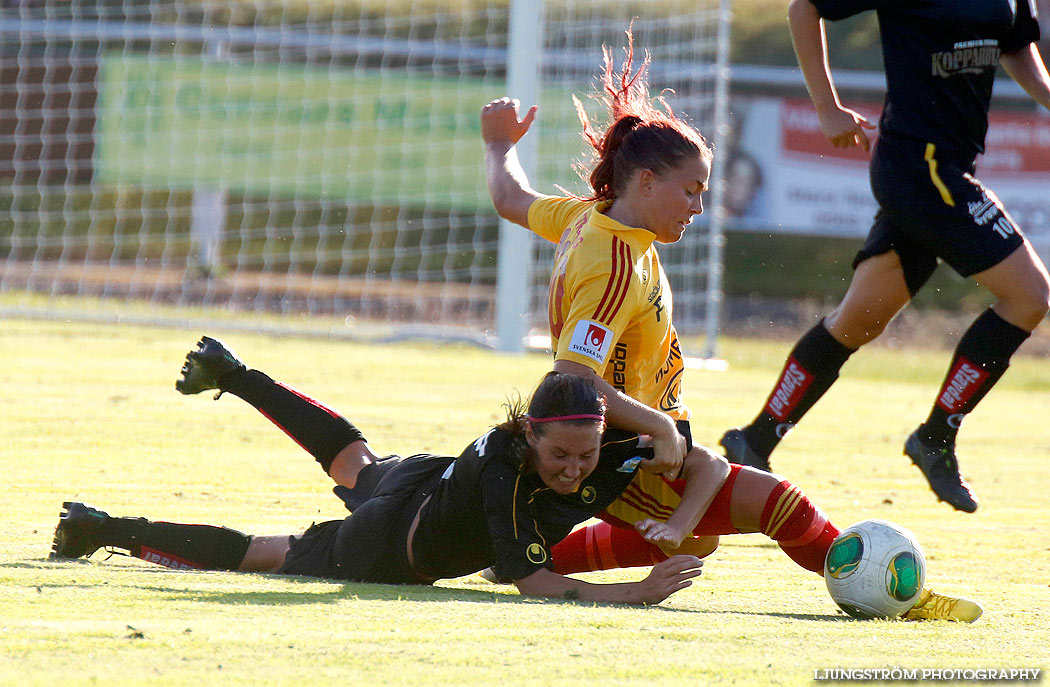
[(499, 121)]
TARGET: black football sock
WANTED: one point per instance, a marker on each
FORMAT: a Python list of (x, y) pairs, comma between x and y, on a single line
[(175, 545), (323, 432), (811, 368), (980, 359)]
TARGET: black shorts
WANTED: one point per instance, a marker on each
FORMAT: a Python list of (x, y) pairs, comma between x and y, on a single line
[(931, 206), (686, 431), (370, 544)]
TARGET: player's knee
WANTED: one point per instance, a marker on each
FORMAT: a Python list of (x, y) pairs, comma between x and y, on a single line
[(699, 546), (1042, 299), (854, 329), (1027, 307)]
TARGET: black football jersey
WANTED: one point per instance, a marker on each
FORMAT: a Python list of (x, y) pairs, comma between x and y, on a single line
[(940, 58), (487, 509)]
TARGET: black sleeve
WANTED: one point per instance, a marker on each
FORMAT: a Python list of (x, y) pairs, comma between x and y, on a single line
[(520, 549), (841, 9), (1025, 29)]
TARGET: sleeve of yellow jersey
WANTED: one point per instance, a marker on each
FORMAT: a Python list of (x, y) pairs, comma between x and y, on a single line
[(550, 215), (598, 308)]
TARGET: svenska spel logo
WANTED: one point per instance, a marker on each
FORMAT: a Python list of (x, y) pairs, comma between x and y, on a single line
[(591, 339)]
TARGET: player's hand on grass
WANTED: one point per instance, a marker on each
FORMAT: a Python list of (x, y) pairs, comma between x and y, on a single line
[(844, 128), (668, 577), (660, 533), (499, 121)]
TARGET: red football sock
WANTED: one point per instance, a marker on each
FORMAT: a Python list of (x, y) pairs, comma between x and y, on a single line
[(601, 547), (788, 517), (799, 527)]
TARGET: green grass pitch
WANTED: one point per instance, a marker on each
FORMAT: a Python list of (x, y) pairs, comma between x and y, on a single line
[(90, 413)]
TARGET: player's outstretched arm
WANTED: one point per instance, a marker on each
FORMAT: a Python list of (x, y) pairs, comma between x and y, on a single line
[(704, 473), (1026, 67), (666, 578), (841, 126), (508, 184)]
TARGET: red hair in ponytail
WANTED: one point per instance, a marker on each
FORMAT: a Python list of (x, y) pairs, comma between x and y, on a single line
[(640, 135)]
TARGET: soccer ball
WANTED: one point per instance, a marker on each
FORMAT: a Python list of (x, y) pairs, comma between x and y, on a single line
[(875, 569)]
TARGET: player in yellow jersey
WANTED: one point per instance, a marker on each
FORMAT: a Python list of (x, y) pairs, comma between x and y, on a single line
[(610, 317), (610, 303)]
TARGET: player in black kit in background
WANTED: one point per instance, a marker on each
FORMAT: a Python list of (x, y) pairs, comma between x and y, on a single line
[(940, 59)]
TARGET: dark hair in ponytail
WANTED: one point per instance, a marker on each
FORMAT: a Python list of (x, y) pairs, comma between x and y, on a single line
[(558, 395), (640, 136)]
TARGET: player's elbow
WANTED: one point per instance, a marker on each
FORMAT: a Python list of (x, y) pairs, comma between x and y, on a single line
[(545, 583), (532, 585), (511, 202), (704, 464)]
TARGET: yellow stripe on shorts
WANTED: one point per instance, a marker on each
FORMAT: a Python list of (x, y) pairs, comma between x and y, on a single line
[(946, 195)]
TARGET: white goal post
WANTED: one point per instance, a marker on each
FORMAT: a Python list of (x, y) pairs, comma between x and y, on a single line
[(289, 165)]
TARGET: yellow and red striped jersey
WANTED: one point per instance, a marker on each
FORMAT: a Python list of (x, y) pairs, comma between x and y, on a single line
[(609, 302)]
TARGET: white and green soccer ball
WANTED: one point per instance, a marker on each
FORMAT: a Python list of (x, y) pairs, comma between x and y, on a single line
[(875, 569)]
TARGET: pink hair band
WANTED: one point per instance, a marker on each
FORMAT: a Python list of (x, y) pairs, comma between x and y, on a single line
[(560, 418)]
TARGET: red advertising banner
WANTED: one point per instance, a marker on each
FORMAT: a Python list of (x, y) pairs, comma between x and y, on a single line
[(783, 176)]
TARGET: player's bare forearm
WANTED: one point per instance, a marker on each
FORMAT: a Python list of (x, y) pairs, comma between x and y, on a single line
[(508, 184), (841, 126), (624, 412), (666, 578), (810, 43), (704, 473), (1027, 69)]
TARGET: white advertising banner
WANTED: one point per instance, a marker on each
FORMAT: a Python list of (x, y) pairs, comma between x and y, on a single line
[(783, 176)]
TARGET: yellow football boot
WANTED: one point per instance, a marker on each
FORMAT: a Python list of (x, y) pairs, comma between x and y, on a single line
[(934, 606)]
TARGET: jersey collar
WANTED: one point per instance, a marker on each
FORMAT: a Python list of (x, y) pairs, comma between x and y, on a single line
[(637, 237)]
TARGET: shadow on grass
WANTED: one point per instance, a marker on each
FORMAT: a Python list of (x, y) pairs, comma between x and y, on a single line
[(340, 589), (343, 591), (814, 617)]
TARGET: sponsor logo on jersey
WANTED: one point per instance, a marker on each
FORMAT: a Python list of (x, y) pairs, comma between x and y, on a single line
[(672, 362), (789, 390), (591, 340), (671, 399), (967, 57), (536, 553), (588, 494), (963, 380), (658, 306), (630, 465), (619, 366)]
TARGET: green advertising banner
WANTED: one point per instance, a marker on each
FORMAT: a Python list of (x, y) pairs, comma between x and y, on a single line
[(373, 136)]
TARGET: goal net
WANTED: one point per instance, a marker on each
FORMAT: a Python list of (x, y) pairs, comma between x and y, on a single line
[(303, 165)]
